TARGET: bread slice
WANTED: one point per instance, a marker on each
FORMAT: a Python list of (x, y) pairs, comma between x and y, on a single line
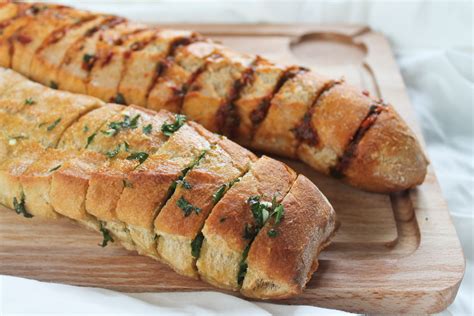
[(106, 72), (283, 256), (255, 97), (149, 185), (178, 72), (178, 225), (214, 85), (49, 57), (16, 154), (336, 117), (226, 229), (69, 186), (287, 109), (36, 181), (141, 64)]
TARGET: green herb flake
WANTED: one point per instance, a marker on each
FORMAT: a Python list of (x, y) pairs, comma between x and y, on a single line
[(106, 237), (90, 139), (147, 129), (272, 233), (249, 232), (53, 125), (140, 156), (196, 245), (219, 193), (55, 168), (243, 266), (19, 206), (53, 85), (169, 128), (85, 129), (119, 99), (115, 127), (185, 184), (187, 207), (29, 101)]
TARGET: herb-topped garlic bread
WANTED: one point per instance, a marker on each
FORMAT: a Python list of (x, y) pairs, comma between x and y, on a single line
[(164, 187), (285, 110)]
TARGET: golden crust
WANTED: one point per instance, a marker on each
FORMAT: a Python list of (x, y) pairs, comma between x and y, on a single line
[(388, 157), (275, 134), (280, 266)]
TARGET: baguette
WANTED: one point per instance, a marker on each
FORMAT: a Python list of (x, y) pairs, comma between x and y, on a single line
[(289, 111), (163, 187)]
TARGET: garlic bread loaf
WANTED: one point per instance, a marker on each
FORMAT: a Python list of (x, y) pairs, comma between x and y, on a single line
[(164, 187), (285, 110)]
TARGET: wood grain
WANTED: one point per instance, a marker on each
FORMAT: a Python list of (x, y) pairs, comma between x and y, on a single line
[(392, 254)]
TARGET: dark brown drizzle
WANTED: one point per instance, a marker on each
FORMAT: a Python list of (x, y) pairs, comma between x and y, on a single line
[(351, 149), (305, 131), (227, 117), (166, 62)]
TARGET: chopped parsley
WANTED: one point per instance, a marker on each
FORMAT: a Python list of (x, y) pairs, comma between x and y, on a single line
[(53, 125), (19, 206), (196, 245), (128, 123), (29, 101), (272, 233), (219, 193), (262, 211), (116, 150), (106, 237), (53, 85), (55, 168), (169, 128), (85, 129), (88, 61), (185, 184), (147, 129), (140, 156), (187, 207), (243, 266), (90, 139), (119, 99)]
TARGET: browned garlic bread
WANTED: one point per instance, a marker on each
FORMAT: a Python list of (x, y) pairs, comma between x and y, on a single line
[(289, 111), (161, 186)]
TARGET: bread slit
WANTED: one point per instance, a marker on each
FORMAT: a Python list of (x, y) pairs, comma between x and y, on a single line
[(214, 85), (176, 74)]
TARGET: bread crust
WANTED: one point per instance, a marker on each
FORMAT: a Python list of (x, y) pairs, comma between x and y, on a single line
[(388, 158), (280, 266)]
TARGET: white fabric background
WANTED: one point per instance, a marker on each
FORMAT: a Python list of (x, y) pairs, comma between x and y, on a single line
[(433, 42)]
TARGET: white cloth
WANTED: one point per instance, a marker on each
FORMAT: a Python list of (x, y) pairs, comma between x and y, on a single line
[(433, 42)]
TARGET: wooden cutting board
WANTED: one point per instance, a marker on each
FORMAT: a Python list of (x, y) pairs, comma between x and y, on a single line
[(394, 253)]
